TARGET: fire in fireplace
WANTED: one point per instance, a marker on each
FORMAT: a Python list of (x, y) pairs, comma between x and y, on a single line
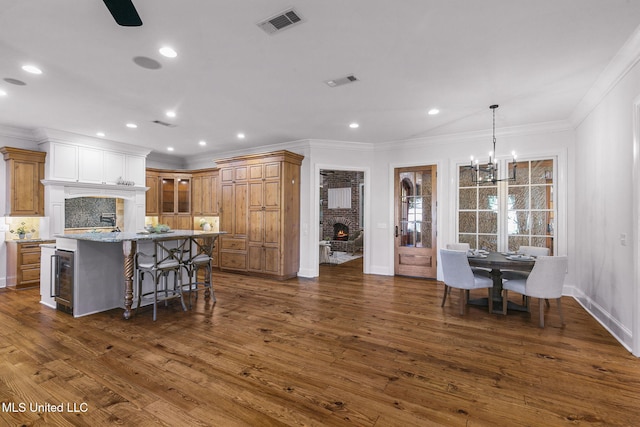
[(340, 231)]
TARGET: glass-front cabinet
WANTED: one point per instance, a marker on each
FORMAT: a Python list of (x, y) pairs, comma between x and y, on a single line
[(176, 195)]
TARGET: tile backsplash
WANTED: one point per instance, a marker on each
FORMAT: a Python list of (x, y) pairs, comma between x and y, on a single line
[(31, 224), (93, 212)]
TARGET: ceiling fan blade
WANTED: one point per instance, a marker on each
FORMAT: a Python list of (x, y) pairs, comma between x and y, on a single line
[(124, 12)]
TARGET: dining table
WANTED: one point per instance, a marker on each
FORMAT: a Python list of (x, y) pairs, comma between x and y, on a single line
[(496, 263)]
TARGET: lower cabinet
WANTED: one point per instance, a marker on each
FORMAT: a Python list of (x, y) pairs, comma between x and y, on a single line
[(23, 263)]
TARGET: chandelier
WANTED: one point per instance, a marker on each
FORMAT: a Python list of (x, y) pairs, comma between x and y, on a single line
[(488, 173)]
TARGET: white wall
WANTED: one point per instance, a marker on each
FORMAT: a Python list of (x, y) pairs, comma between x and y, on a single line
[(379, 161), (605, 156)]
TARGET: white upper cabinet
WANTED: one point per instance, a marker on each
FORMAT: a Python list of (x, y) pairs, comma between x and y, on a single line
[(62, 162), (114, 167), (90, 165), (78, 163), (135, 167)]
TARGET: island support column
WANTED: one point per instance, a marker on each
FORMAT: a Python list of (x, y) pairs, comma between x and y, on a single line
[(129, 250)]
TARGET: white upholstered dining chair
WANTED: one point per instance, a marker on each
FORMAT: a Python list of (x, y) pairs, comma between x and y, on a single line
[(544, 282), (467, 247), (524, 250), (458, 274)]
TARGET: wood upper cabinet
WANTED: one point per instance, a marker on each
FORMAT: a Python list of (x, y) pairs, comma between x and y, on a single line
[(260, 211), (175, 193), (169, 197), (152, 198), (204, 190), (25, 192)]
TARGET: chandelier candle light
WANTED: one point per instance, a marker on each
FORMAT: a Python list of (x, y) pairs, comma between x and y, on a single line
[(490, 170)]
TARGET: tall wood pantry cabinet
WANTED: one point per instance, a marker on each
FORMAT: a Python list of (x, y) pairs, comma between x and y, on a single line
[(260, 211)]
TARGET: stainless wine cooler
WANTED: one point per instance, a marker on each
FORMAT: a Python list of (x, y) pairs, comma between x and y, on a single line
[(63, 280)]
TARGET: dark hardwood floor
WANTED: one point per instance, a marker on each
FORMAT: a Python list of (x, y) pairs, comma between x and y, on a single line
[(344, 349)]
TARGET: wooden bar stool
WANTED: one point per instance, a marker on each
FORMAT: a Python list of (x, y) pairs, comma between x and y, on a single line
[(199, 258), (160, 264)]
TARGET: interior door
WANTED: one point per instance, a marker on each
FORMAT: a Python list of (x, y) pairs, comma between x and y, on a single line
[(415, 217)]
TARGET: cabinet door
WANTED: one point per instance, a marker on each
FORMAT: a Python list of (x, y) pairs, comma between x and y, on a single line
[(256, 227), (256, 196), (26, 188), (271, 225), (184, 222), (271, 194), (263, 259), (90, 165), (135, 169), (168, 190), (240, 209), (205, 192), (197, 195), (183, 196), (151, 196), (64, 162), (169, 220), (226, 202), (114, 167), (215, 203)]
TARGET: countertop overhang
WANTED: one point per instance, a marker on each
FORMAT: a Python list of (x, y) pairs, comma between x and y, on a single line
[(131, 236)]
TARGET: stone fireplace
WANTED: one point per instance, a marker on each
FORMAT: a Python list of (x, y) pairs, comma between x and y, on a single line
[(337, 230)]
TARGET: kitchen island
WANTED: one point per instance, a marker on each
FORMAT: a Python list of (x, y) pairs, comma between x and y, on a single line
[(105, 265)]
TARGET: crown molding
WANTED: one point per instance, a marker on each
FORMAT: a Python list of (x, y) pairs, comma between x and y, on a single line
[(623, 62), (44, 135)]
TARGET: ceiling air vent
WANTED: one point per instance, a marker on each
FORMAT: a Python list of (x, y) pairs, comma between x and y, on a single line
[(281, 21), (160, 122), (342, 81)]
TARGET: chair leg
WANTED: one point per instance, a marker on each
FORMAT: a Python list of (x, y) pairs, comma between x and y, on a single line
[(444, 297), (560, 311), (463, 300), (505, 303), (490, 300), (541, 304), (547, 301)]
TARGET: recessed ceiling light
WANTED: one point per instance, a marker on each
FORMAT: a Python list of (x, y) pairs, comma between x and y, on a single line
[(3, 93), (170, 113), (132, 125), (168, 52), (433, 112), (169, 148), (32, 69), (100, 134), (241, 135), (202, 143), (354, 126)]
